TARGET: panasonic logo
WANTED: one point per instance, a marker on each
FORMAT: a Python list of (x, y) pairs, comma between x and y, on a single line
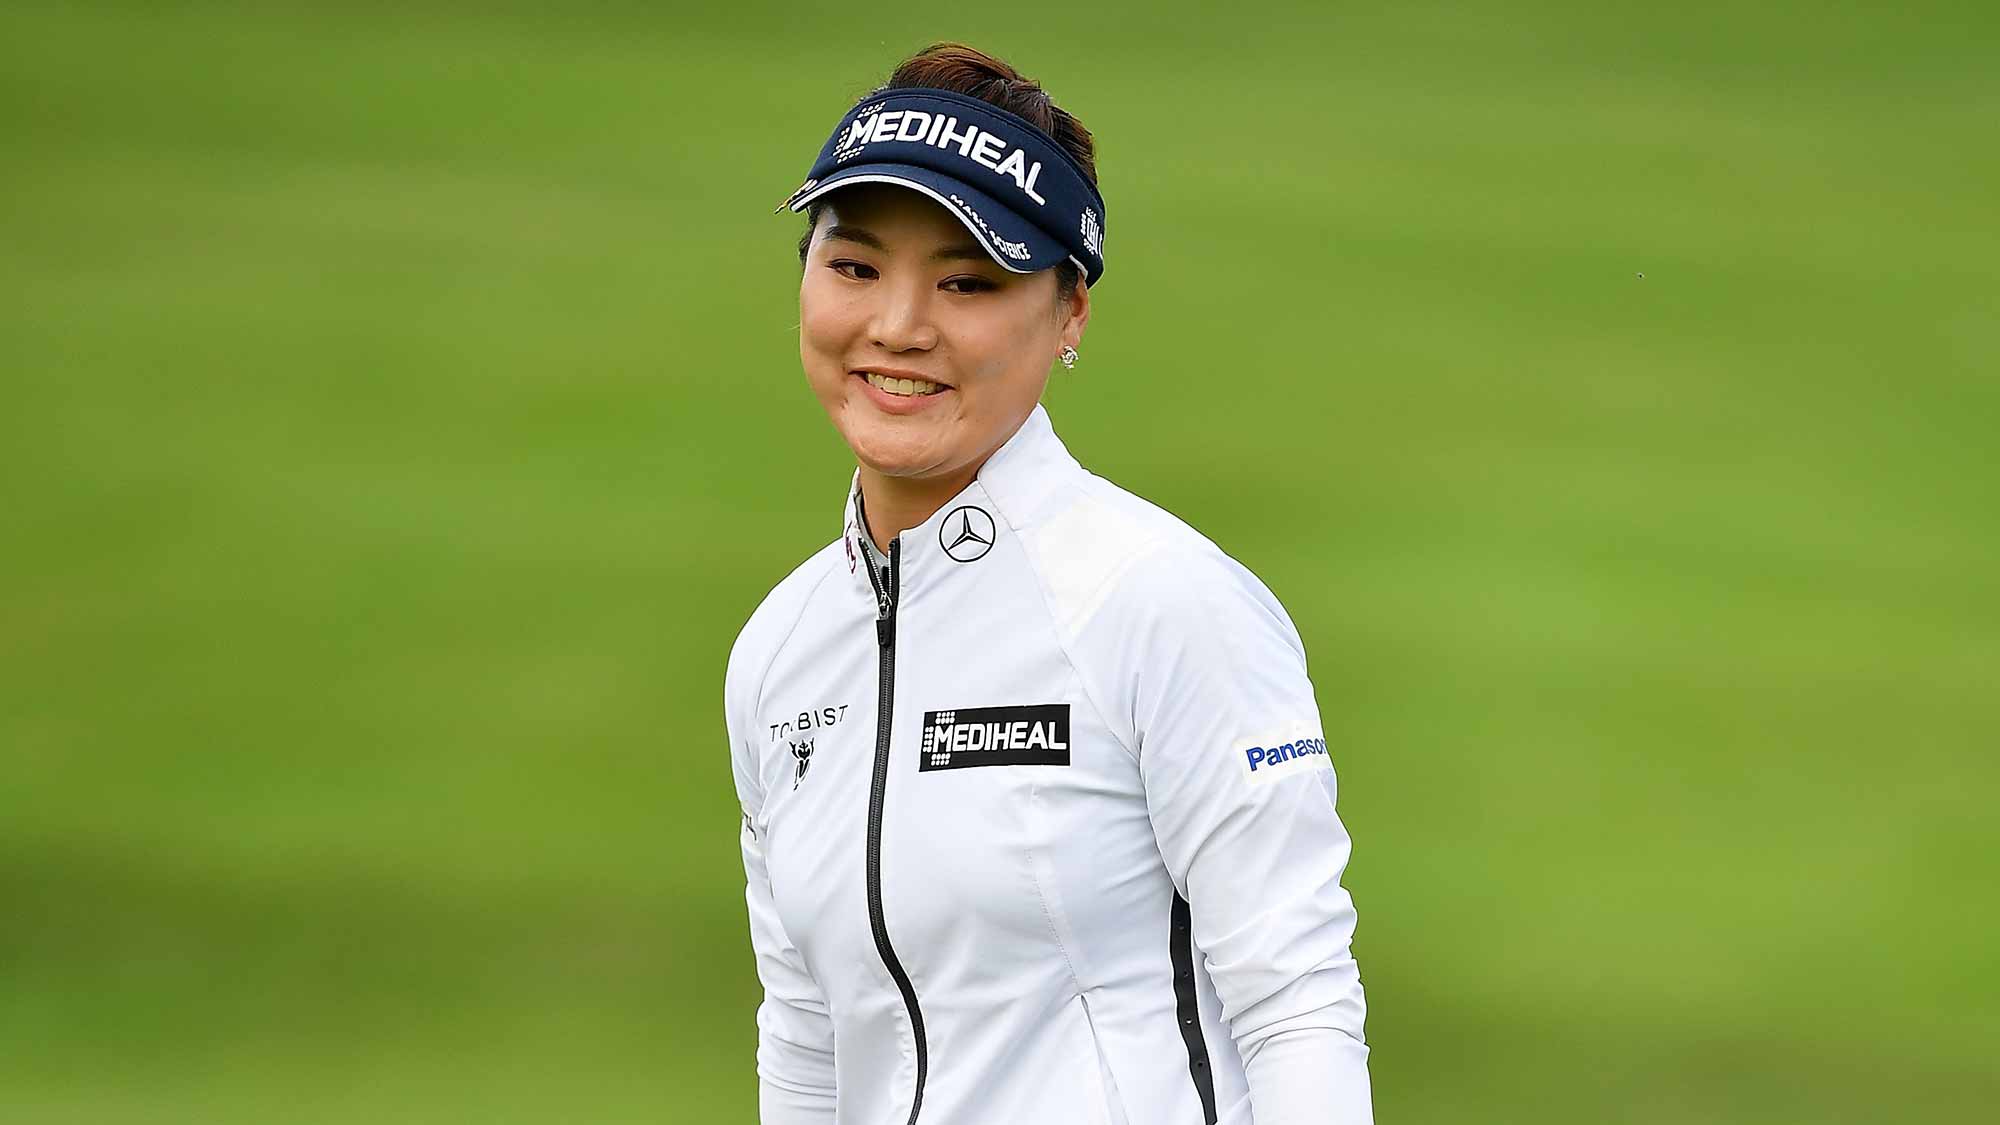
[(1259, 756), (1271, 758)]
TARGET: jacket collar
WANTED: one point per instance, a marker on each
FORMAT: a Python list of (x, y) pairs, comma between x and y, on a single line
[(1011, 491)]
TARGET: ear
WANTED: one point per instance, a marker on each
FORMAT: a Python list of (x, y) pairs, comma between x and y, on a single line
[(1076, 314)]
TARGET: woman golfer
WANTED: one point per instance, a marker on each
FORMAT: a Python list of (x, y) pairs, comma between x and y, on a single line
[(1038, 817)]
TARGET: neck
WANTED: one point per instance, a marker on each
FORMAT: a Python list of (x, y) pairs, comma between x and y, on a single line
[(893, 505)]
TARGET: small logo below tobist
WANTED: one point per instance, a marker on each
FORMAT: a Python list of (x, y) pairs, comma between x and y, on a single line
[(803, 751), (966, 533)]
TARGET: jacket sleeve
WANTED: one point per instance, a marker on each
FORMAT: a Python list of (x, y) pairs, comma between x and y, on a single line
[(795, 1072), (1240, 788)]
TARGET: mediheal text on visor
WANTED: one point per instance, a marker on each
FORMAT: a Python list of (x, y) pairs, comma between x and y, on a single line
[(941, 131)]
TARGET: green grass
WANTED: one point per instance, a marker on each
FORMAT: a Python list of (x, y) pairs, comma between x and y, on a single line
[(402, 413)]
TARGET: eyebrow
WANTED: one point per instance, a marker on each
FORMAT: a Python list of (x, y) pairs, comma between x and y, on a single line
[(849, 233)]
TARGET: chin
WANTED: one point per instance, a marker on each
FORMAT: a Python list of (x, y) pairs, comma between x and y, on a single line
[(895, 451), (894, 459)]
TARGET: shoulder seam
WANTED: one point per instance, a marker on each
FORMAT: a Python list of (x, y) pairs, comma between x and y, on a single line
[(770, 661), (1069, 657)]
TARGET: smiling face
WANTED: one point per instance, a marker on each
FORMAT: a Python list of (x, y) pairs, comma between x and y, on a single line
[(926, 354)]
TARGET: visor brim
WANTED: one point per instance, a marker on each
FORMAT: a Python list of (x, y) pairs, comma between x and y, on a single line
[(1009, 238)]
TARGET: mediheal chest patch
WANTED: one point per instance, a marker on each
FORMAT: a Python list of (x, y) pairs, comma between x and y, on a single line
[(1032, 735)]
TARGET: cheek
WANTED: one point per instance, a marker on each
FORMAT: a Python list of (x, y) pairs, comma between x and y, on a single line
[(1004, 352), (826, 325)]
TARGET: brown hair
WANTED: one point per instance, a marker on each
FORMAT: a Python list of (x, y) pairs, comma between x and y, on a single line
[(974, 73)]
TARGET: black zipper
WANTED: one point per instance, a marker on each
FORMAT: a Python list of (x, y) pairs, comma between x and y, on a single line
[(886, 587)]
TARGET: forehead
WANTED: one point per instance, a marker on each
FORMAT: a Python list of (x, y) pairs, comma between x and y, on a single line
[(892, 213)]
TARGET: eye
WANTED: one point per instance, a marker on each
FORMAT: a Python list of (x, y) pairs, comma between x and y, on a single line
[(852, 270), (970, 283)]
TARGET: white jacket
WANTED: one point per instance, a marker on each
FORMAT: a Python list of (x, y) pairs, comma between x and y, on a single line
[(991, 792)]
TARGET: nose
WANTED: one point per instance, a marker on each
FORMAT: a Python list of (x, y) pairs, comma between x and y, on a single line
[(902, 320)]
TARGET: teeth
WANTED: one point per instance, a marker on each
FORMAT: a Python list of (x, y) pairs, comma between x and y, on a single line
[(904, 386)]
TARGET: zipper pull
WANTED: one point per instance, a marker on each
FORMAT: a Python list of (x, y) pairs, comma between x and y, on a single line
[(885, 607), (885, 594)]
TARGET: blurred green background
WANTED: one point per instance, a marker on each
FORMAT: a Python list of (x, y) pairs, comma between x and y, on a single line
[(402, 412)]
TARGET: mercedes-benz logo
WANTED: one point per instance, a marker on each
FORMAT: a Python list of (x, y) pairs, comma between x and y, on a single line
[(966, 533)]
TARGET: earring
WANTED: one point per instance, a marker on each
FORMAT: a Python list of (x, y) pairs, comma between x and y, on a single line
[(1068, 356)]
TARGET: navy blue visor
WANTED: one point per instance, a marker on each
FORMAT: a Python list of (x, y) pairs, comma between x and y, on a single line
[(1029, 205)]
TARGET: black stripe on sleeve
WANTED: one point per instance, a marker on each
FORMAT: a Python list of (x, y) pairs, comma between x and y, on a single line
[(1186, 1013)]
